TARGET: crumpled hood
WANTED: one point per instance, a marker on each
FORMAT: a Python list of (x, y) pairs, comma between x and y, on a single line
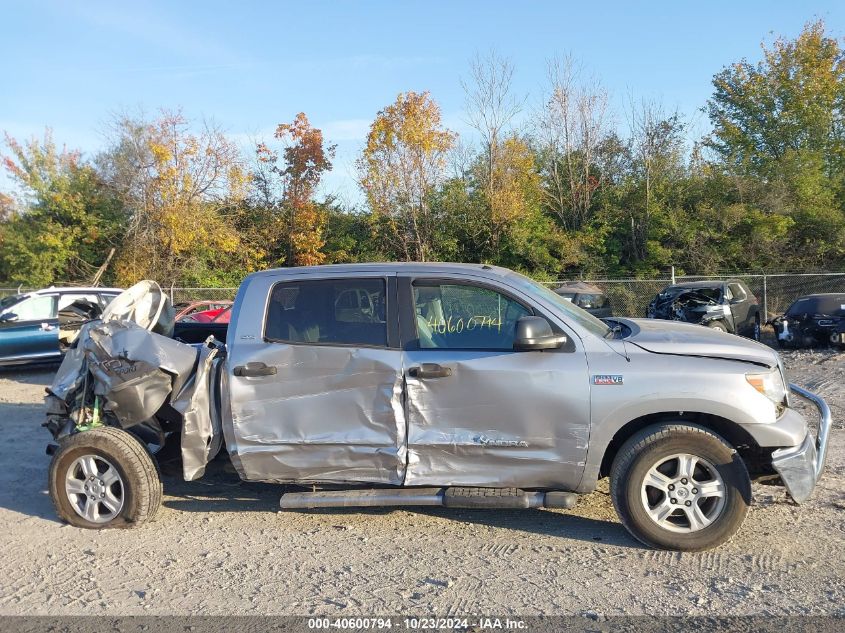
[(686, 339)]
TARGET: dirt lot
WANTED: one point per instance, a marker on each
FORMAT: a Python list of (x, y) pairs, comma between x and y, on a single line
[(219, 546)]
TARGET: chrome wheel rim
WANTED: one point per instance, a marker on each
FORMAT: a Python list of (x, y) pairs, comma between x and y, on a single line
[(94, 488), (683, 493)]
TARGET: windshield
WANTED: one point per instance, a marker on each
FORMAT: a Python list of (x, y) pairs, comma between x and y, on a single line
[(569, 309), (713, 294), (833, 305)]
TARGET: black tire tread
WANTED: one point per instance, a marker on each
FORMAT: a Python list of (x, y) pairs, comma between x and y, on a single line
[(635, 445), (132, 456)]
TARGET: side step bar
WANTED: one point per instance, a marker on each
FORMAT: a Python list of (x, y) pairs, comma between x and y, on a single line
[(498, 498)]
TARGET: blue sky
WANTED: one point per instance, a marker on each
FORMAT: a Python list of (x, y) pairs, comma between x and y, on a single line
[(250, 65)]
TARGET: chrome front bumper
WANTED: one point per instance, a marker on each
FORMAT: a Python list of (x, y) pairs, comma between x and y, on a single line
[(801, 466)]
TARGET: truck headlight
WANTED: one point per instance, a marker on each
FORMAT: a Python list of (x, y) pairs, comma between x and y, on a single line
[(770, 384)]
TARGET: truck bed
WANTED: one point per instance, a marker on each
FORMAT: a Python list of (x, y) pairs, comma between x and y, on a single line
[(188, 332)]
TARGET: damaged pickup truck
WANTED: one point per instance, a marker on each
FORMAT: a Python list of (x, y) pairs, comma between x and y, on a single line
[(430, 384), (728, 306)]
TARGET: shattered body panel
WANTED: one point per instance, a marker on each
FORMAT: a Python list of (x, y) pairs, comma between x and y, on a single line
[(201, 428), (124, 374), (135, 370), (690, 305)]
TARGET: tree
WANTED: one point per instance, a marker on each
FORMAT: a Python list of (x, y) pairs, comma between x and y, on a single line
[(306, 158), (572, 127), (657, 164), (791, 101), (504, 170), (782, 122), (181, 191), (66, 220), (400, 167)]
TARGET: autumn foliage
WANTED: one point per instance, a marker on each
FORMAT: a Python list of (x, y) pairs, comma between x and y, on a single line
[(553, 186)]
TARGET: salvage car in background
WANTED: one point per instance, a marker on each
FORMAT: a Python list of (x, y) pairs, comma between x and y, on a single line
[(191, 308), (812, 320), (729, 306), (216, 315), (29, 322), (587, 297), (452, 385)]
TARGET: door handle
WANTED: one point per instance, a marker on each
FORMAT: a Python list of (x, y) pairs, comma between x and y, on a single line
[(46, 327), (251, 370), (430, 370)]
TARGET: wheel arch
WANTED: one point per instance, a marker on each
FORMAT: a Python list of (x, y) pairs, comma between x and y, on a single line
[(727, 429)]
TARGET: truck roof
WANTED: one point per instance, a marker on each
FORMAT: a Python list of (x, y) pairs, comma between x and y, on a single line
[(707, 283), (386, 267)]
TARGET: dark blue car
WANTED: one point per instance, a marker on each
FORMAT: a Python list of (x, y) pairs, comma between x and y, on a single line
[(29, 322)]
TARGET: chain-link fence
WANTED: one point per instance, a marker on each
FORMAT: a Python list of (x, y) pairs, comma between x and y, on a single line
[(774, 292), (628, 297)]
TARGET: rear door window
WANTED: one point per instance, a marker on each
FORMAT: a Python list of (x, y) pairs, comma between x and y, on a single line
[(737, 292), (328, 312), (66, 299)]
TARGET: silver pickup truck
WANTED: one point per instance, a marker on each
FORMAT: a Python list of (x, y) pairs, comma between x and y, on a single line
[(434, 384)]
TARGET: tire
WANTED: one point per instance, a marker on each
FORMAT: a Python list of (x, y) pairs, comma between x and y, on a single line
[(719, 467), (112, 466), (717, 325), (756, 332)]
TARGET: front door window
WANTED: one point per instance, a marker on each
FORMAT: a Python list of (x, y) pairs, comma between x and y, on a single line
[(35, 309), (465, 317)]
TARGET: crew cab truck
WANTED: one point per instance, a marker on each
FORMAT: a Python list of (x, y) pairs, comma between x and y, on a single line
[(465, 386)]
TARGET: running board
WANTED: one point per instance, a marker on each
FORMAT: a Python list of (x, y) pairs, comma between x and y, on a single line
[(498, 498)]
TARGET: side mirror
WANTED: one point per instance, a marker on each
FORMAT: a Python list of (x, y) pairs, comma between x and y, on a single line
[(535, 333), (8, 317)]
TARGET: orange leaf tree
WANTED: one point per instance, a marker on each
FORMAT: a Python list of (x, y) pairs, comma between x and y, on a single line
[(304, 160)]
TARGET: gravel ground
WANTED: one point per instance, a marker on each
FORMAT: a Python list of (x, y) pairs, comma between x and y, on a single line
[(219, 546)]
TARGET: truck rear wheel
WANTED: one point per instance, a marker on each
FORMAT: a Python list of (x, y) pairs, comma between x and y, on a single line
[(104, 478), (680, 487)]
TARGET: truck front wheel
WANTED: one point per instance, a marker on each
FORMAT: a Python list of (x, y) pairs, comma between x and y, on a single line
[(104, 478), (680, 487), (717, 325)]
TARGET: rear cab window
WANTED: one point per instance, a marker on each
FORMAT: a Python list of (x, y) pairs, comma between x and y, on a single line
[(349, 311)]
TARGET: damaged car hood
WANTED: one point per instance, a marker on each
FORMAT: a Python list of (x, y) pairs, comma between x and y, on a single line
[(686, 339)]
